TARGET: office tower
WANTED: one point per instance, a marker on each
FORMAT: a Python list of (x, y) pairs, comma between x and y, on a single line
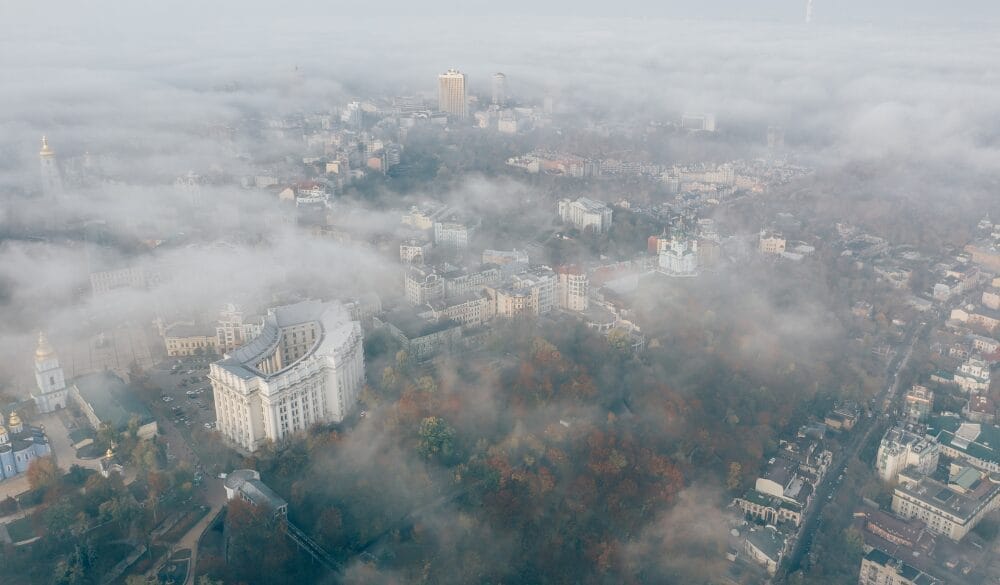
[(499, 89), (451, 93)]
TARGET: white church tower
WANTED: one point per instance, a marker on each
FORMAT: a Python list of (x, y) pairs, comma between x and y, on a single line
[(49, 377), (51, 178)]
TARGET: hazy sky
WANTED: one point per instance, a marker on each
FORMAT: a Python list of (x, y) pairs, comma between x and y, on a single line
[(190, 14)]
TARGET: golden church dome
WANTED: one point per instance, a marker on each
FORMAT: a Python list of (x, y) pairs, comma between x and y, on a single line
[(44, 350), (46, 150)]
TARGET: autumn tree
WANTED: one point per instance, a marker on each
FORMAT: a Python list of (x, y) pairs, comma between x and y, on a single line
[(437, 439), (43, 474)]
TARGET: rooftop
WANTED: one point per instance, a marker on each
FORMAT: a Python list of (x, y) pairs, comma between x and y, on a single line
[(977, 441), (767, 540), (336, 327), (941, 497), (906, 571)]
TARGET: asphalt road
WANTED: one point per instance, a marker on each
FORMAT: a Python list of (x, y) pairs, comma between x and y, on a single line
[(861, 434)]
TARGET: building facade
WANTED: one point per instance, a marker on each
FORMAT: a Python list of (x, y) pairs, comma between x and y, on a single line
[(50, 382), (450, 233), (951, 509), (574, 288), (919, 402), (499, 89), (585, 213), (452, 97), (422, 285), (900, 449), (234, 328), (771, 243), (879, 568), (20, 445), (186, 340), (305, 367)]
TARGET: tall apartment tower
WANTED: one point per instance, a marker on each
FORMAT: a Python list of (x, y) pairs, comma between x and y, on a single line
[(51, 179), (451, 93), (499, 89)]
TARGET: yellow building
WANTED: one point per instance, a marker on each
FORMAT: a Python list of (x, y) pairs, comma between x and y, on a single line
[(771, 243), (184, 340)]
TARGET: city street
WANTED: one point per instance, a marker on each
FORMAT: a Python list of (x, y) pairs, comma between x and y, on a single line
[(862, 433)]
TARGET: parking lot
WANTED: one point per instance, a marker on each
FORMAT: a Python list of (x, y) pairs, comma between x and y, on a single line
[(185, 392)]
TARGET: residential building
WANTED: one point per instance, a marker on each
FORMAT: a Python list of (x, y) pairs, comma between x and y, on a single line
[(413, 251), (105, 281), (769, 509), (765, 546), (422, 285), (782, 479), (471, 310), (894, 535), (420, 337), (703, 122), (991, 298), (878, 568), (452, 97), (532, 292), (900, 449), (234, 328), (246, 485), (461, 282), (984, 345), (980, 409), (305, 367), (184, 340), (574, 288), (453, 234), (771, 243), (951, 509), (585, 213), (918, 403), (975, 443), (510, 262), (973, 375)]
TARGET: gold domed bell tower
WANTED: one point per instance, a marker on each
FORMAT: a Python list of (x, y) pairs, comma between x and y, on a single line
[(52, 185), (52, 392)]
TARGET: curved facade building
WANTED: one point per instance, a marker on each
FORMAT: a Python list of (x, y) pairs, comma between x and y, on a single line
[(305, 367)]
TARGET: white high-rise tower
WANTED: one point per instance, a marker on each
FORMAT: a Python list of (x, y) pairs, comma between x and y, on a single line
[(51, 179), (49, 378), (499, 89), (451, 93), (809, 11)]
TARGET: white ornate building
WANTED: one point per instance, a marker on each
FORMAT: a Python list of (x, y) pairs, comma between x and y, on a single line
[(49, 378), (305, 367), (678, 257)]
